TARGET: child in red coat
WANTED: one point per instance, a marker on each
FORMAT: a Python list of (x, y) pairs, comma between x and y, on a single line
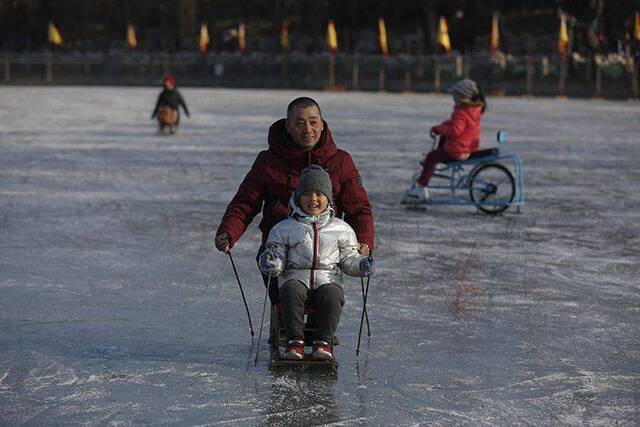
[(459, 136)]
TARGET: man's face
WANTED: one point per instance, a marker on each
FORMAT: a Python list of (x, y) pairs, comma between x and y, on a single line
[(305, 126)]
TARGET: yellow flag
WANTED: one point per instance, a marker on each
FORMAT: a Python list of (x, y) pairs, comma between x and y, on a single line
[(54, 35), (284, 36), (563, 36), (637, 26), (332, 37), (132, 41), (242, 41), (495, 34), (203, 42), (443, 35), (382, 31)]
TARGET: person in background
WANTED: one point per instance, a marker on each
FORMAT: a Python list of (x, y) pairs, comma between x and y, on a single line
[(166, 110), (459, 136)]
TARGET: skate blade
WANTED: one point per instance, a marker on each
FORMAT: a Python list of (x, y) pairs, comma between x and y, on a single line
[(304, 363)]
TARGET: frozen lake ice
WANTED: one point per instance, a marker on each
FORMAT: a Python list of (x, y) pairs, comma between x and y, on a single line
[(116, 309)]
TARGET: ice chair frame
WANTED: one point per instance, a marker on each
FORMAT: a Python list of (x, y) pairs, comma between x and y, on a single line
[(490, 179)]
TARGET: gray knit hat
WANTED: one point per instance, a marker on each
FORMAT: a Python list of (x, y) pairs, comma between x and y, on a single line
[(314, 178), (465, 89)]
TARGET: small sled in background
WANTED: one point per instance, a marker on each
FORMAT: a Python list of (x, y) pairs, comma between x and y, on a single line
[(278, 341), (489, 179), (168, 118)]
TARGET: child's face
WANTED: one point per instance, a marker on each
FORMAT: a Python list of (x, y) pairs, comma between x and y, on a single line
[(313, 202)]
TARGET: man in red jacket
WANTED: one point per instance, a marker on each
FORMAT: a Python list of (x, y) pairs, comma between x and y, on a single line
[(300, 140)]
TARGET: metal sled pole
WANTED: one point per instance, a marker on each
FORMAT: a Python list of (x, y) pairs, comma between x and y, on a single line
[(366, 315), (264, 306), (364, 310), (241, 291)]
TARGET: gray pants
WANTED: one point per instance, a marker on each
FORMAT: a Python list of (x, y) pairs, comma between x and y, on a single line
[(328, 299)]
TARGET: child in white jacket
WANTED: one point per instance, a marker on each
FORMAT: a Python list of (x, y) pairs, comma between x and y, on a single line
[(311, 250)]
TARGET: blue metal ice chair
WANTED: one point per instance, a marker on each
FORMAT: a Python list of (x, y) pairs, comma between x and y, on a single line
[(490, 179)]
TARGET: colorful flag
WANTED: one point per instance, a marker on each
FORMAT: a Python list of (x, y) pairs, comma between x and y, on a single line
[(332, 37), (443, 35), (132, 41), (284, 36), (203, 42), (242, 41), (54, 35), (382, 31), (495, 35), (637, 26), (563, 36)]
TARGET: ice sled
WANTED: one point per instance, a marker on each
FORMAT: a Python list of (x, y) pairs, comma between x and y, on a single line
[(489, 179)]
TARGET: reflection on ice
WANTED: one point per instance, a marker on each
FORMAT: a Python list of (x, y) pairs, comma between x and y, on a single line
[(302, 392)]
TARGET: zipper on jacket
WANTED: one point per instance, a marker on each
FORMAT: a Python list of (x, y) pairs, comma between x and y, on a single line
[(314, 260)]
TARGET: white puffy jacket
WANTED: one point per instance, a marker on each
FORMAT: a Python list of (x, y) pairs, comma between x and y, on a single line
[(316, 249)]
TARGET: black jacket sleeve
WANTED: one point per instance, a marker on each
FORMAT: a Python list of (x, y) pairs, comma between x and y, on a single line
[(184, 104), (155, 110)]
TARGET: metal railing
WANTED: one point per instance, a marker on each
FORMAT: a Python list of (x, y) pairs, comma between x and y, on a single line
[(533, 75)]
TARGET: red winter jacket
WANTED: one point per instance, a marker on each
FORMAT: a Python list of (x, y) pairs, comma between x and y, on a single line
[(274, 177), (462, 131)]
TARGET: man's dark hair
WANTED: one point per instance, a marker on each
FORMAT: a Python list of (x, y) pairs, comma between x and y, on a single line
[(302, 102)]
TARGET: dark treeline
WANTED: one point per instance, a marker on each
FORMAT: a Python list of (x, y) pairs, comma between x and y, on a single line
[(526, 26)]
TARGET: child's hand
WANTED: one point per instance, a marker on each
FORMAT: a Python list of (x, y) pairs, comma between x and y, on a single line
[(367, 266), (270, 264)]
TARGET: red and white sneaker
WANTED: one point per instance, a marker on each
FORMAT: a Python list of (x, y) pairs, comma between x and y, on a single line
[(321, 351), (294, 350)]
